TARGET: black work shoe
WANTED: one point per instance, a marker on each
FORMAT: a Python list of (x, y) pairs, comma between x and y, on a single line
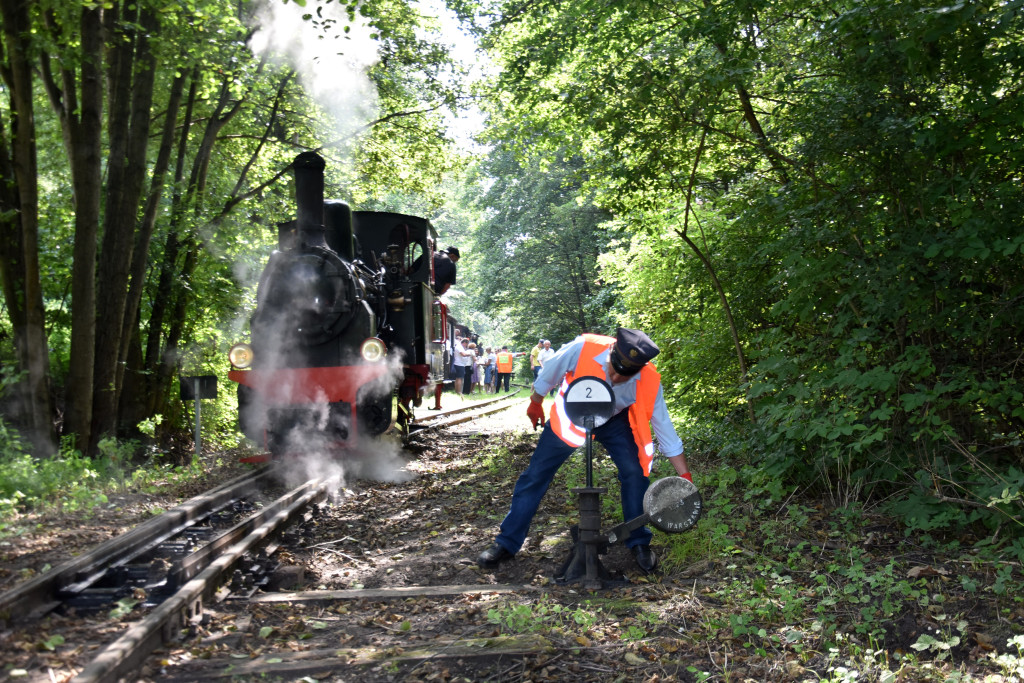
[(645, 558), (493, 556)]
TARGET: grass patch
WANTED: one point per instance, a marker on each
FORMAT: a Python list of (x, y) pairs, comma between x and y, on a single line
[(71, 482)]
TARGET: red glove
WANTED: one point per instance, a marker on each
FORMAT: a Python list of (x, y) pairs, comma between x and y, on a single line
[(536, 413)]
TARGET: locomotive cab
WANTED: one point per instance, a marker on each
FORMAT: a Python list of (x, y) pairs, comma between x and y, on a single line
[(408, 325)]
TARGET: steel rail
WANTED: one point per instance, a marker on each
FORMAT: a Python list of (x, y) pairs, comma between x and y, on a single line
[(130, 650), (460, 420), (427, 420), (39, 595)]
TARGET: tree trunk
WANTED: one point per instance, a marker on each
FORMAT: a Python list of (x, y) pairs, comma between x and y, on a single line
[(131, 92), (164, 293), (168, 366), (30, 339), (81, 127), (704, 259), (12, 270), (177, 288), (142, 104), (136, 400)]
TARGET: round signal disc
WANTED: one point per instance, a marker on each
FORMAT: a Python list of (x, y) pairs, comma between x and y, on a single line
[(673, 504)]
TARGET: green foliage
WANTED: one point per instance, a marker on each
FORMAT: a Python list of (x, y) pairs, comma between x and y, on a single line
[(644, 624), (1012, 661), (122, 608), (68, 480), (878, 367), (679, 305), (51, 643), (517, 618), (538, 249), (854, 200), (940, 646), (806, 580), (541, 616)]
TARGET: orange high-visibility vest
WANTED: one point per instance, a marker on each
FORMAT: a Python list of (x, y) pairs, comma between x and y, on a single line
[(505, 362), (639, 413)]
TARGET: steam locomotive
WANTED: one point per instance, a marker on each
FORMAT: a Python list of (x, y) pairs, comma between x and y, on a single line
[(347, 334)]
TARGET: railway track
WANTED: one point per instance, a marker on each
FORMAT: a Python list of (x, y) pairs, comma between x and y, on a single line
[(196, 557), (131, 649), (425, 424), (79, 576)]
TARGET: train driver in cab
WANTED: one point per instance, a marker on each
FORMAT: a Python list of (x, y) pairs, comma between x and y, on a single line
[(624, 362), (444, 269)]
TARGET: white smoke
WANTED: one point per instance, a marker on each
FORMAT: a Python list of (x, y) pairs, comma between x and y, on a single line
[(379, 460), (376, 460), (329, 53), (310, 452), (298, 469)]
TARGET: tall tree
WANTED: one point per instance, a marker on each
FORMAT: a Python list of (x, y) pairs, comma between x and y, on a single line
[(20, 225), (130, 80), (75, 92), (541, 242)]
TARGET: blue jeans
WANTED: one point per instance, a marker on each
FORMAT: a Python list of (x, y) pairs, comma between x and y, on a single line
[(617, 438)]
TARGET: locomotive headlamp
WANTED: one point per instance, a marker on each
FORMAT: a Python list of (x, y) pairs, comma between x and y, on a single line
[(373, 350), (240, 356)]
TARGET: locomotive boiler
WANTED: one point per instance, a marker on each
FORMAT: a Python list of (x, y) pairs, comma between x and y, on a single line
[(347, 334)]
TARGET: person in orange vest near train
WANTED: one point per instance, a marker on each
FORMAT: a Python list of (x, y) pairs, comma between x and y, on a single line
[(505, 367), (624, 362)]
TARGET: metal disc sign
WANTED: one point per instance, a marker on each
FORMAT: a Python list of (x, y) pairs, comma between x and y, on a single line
[(673, 504), (589, 397)]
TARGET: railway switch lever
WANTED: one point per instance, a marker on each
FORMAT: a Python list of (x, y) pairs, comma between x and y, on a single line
[(671, 504)]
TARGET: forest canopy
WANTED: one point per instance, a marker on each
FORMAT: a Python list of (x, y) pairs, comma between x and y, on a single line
[(814, 208)]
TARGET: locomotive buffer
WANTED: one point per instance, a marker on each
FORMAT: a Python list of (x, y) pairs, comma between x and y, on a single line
[(671, 504)]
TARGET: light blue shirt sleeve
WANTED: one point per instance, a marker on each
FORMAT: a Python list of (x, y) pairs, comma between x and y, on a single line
[(664, 431), (553, 372)]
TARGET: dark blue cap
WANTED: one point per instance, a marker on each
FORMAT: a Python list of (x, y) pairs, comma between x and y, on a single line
[(633, 349)]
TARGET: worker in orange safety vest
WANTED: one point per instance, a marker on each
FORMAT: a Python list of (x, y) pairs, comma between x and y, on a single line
[(624, 362), (505, 367)]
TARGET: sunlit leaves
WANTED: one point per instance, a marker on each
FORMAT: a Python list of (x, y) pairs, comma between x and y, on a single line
[(858, 186), (542, 240)]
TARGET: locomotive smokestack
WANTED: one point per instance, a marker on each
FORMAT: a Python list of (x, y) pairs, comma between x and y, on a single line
[(309, 198)]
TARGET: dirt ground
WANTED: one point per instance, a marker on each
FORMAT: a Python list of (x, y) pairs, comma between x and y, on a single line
[(427, 532), (385, 587), (430, 530)]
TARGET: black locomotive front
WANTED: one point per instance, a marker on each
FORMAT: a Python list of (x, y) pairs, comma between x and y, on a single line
[(344, 316)]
